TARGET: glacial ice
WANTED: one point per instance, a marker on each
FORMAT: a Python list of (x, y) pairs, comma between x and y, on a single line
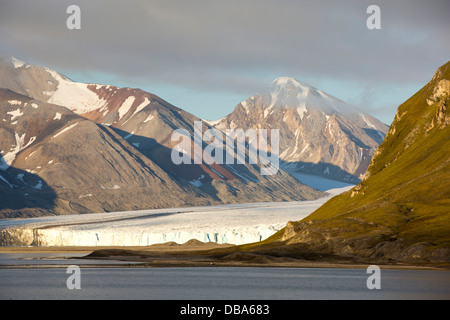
[(234, 224)]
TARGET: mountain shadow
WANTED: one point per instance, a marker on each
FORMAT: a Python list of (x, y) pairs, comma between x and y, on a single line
[(222, 183), (374, 134), (322, 169), (22, 193), (161, 155)]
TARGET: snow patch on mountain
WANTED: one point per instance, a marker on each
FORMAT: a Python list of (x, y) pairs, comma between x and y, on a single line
[(6, 181), (14, 114), (142, 105), (245, 106), (15, 102), (371, 125), (301, 110), (74, 95), (196, 182), (212, 123), (17, 63), (126, 105), (128, 136), (9, 157), (64, 130), (39, 185), (150, 117)]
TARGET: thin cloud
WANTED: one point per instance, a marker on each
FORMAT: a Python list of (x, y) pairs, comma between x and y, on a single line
[(232, 46)]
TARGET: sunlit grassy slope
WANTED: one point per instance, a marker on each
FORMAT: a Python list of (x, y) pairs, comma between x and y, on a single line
[(407, 190)]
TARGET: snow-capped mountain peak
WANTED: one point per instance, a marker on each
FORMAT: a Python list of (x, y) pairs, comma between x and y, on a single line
[(288, 83), (319, 134), (48, 85), (289, 92)]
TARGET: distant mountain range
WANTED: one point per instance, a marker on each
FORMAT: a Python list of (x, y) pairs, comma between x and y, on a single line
[(319, 134), (69, 147)]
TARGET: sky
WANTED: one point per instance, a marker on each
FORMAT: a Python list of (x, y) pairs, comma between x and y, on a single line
[(206, 56)]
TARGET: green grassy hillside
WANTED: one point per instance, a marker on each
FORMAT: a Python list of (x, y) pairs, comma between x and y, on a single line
[(405, 199)]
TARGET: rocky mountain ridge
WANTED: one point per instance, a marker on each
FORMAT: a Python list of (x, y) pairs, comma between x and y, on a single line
[(319, 134), (69, 147)]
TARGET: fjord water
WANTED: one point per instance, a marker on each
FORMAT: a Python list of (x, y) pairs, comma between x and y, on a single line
[(223, 283)]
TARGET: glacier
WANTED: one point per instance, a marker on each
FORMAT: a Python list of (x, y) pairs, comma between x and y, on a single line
[(232, 224)]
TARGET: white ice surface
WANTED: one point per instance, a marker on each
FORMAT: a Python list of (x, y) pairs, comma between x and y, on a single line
[(236, 224)]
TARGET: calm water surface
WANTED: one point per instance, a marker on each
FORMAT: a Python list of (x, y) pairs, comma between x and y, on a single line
[(222, 283)]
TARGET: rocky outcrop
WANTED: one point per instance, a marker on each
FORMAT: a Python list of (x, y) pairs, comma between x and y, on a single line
[(380, 244), (440, 96)]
